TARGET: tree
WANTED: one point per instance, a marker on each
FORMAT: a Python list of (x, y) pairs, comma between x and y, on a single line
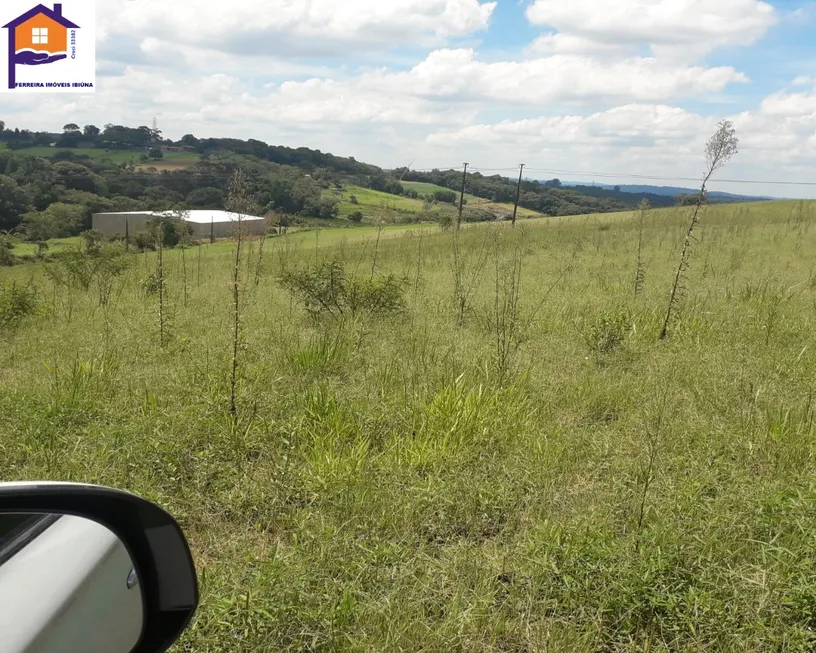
[(79, 177), (553, 183), (210, 198), (70, 127), (174, 230), (322, 207), (13, 203), (161, 197), (719, 150), (91, 131), (691, 199), (119, 137), (156, 154), (2, 126), (70, 139), (189, 139), (445, 196), (58, 221)]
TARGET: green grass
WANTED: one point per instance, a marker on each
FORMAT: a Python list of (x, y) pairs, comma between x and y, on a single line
[(372, 203), (542, 475), (430, 189), (472, 200), (336, 236), (117, 156), (54, 245)]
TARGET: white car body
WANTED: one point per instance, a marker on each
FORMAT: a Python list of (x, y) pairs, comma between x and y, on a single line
[(67, 591)]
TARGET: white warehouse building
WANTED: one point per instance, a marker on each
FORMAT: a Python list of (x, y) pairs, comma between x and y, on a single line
[(205, 223)]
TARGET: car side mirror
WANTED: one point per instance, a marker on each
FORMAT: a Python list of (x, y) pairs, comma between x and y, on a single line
[(92, 569)]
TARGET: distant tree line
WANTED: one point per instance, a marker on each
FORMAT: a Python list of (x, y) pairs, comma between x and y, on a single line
[(54, 198), (57, 195), (547, 197)]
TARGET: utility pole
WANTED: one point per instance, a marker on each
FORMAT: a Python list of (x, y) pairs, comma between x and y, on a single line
[(518, 195), (462, 198)]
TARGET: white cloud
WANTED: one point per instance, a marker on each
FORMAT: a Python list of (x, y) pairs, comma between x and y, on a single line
[(550, 44), (671, 25), (777, 142), (790, 105), (449, 87), (457, 76), (621, 126), (294, 27)]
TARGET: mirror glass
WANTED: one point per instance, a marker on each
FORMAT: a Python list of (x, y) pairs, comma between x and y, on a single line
[(67, 584)]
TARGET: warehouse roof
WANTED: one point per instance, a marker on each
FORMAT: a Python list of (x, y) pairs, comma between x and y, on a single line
[(199, 217)]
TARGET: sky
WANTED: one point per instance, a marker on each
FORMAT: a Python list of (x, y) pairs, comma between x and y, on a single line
[(615, 91)]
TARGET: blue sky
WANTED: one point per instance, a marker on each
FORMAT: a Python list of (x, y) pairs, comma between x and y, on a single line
[(630, 87)]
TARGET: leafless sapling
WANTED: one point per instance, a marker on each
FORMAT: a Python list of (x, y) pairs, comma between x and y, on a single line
[(721, 147)]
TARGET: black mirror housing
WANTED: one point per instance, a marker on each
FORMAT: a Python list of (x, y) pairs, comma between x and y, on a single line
[(152, 537)]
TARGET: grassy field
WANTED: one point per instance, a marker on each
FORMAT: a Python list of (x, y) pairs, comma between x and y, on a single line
[(515, 462), (171, 160), (372, 203), (430, 189), (472, 200), (54, 245)]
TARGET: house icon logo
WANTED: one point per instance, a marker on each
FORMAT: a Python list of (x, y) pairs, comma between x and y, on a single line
[(45, 51)]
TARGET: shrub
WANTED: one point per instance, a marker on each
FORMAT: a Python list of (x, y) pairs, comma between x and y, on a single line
[(92, 240), (16, 302), (6, 257), (446, 220), (89, 270), (356, 217), (152, 284), (58, 221), (174, 230), (143, 242), (327, 290), (473, 214), (608, 334), (353, 199), (445, 196)]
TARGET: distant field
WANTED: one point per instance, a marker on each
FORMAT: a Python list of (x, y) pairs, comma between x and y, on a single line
[(430, 189), (55, 245), (472, 200), (331, 237), (322, 232), (171, 160), (370, 202)]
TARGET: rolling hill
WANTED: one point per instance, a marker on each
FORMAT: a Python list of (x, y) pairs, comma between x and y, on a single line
[(672, 191)]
